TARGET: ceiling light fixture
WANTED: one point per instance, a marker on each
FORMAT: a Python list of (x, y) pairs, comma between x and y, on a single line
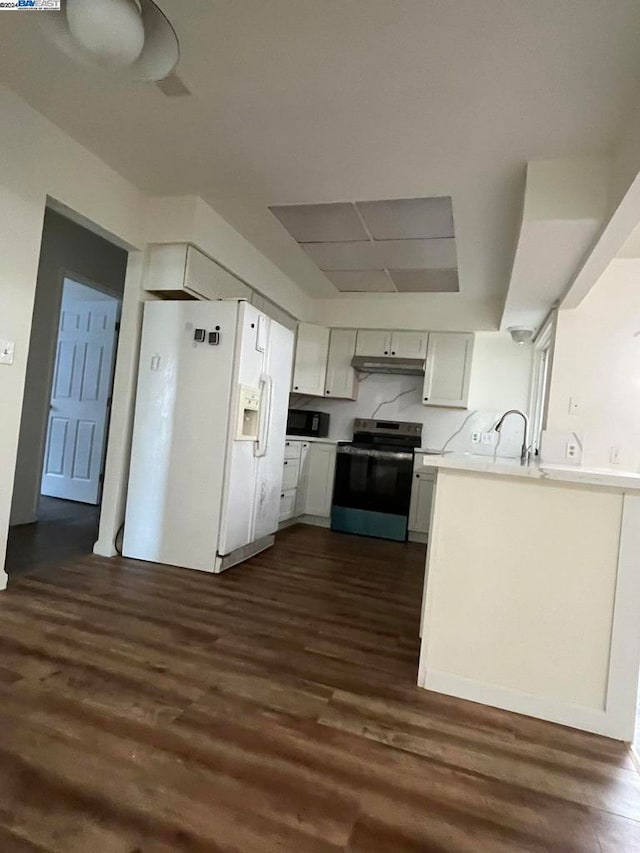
[(111, 30), (131, 39), (520, 334)]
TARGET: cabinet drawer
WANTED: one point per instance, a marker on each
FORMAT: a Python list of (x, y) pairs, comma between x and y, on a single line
[(287, 504), (292, 449), (291, 469)]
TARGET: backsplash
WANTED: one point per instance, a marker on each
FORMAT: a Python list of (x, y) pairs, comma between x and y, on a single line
[(399, 398)]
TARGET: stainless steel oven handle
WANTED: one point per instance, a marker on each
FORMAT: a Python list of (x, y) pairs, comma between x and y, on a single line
[(394, 455), (353, 451)]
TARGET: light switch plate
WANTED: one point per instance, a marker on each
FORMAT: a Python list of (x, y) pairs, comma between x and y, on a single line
[(7, 351)]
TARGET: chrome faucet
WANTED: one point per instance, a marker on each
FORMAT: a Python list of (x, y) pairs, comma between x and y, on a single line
[(526, 450)]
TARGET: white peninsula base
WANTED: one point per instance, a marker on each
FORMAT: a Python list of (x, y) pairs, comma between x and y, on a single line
[(532, 596)]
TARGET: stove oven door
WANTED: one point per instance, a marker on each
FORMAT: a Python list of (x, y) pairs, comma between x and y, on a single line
[(372, 491)]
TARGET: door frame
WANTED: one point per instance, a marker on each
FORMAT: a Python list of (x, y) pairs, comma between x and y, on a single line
[(63, 273)]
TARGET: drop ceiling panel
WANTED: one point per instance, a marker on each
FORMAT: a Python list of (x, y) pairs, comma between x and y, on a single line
[(396, 254), (321, 223), (409, 218), (426, 281), (361, 281)]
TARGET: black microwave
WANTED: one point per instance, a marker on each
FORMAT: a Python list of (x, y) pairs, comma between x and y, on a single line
[(312, 424)]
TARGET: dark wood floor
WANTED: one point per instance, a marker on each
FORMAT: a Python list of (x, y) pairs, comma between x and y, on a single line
[(272, 708), (64, 529)]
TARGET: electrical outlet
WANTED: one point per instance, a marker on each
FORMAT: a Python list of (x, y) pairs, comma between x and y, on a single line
[(7, 350), (476, 437), (488, 438), (614, 455), (572, 450)]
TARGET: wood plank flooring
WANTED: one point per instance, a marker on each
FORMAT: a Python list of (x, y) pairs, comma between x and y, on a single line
[(63, 530), (156, 710)]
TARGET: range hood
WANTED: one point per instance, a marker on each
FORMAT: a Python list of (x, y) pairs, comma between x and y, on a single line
[(388, 364)]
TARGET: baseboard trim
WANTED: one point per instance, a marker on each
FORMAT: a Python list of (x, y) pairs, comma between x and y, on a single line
[(315, 520), (228, 561), (416, 536), (593, 720), (104, 549)]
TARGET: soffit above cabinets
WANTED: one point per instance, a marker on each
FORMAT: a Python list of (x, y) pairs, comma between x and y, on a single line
[(394, 245)]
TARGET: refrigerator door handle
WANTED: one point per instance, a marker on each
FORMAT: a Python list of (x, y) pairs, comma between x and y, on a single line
[(266, 397)]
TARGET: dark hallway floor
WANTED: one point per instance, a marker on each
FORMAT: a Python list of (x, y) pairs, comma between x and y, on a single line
[(64, 529)]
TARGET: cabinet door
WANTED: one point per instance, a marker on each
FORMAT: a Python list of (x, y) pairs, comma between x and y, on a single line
[(176, 268), (409, 344), (287, 504), (421, 499), (341, 377), (303, 477), (290, 471), (321, 464), (207, 279), (310, 366), (448, 369), (373, 343)]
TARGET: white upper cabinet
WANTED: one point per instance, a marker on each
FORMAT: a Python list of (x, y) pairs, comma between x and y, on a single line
[(399, 344), (373, 343), (310, 365), (448, 369), (341, 377), (179, 269), (409, 344)]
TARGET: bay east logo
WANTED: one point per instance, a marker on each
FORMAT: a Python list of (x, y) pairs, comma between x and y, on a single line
[(34, 5)]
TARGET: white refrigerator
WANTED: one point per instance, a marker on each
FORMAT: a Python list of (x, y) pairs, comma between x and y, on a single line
[(209, 434)]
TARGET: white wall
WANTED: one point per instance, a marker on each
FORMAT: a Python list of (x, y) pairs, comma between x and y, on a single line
[(500, 380), (65, 248), (38, 160), (597, 365)]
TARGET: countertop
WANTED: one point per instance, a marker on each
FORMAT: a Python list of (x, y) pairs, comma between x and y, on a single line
[(315, 440), (627, 481)]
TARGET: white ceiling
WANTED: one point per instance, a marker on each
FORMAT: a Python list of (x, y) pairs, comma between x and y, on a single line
[(311, 101)]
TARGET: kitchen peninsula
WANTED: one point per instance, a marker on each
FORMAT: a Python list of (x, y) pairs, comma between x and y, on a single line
[(531, 590)]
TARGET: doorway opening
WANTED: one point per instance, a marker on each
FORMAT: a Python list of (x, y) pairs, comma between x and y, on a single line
[(65, 416)]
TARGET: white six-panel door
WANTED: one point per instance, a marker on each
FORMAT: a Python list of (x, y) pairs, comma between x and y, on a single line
[(80, 400)]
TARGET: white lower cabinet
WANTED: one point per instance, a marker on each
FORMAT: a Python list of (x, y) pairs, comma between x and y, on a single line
[(321, 466), (421, 500), (287, 504), (301, 492), (291, 470), (307, 479)]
